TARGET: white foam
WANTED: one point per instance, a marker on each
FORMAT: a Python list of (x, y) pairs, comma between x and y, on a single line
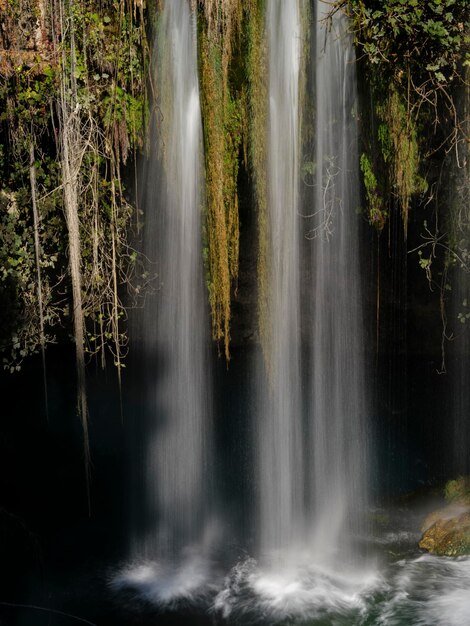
[(294, 592), (167, 585), (423, 591), (428, 591)]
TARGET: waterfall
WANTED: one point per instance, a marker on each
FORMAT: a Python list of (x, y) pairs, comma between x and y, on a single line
[(176, 378), (310, 386), (337, 403), (313, 406), (279, 430)]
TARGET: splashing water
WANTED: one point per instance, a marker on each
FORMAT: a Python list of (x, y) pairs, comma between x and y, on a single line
[(300, 591), (165, 584), (418, 591)]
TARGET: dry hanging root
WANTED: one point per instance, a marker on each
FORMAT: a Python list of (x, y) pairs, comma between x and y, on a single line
[(72, 149)]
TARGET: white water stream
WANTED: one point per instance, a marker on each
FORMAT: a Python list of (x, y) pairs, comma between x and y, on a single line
[(312, 436), (337, 391), (280, 416), (176, 342)]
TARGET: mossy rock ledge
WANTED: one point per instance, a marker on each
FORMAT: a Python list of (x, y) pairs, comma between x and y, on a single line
[(446, 532)]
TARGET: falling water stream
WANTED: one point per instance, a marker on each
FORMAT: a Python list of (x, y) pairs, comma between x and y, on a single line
[(169, 554), (179, 388), (337, 392), (280, 418), (313, 407), (312, 492)]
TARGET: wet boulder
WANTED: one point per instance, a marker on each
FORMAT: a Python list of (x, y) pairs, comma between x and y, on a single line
[(446, 532), (448, 537)]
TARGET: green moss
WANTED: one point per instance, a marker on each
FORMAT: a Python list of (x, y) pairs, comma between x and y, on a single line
[(257, 73), (458, 490), (222, 103), (414, 55), (376, 206), (398, 141)]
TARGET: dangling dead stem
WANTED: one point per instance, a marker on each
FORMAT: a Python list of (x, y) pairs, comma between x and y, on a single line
[(72, 149)]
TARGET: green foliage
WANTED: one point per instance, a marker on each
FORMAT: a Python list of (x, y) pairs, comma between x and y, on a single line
[(390, 162), (26, 101), (106, 66), (398, 141), (427, 35), (20, 319), (458, 490), (111, 61), (257, 116), (415, 52), (376, 206)]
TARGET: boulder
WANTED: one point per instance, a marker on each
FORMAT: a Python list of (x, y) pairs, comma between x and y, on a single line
[(446, 532), (447, 536)]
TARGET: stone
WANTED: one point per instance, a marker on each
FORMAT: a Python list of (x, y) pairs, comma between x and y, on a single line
[(447, 532)]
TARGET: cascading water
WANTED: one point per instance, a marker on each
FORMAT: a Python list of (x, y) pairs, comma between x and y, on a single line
[(337, 387), (178, 385), (311, 434), (312, 448), (169, 552), (312, 492), (279, 431)]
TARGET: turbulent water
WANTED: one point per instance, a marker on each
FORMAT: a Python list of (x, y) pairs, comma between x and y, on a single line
[(177, 373), (279, 430), (399, 587), (407, 589), (337, 398)]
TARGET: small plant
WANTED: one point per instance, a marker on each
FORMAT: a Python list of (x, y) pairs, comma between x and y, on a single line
[(458, 490), (377, 210)]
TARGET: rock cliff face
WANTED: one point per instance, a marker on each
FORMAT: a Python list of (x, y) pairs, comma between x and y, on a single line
[(24, 38), (446, 532)]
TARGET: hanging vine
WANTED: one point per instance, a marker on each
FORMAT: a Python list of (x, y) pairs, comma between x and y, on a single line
[(72, 82)]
